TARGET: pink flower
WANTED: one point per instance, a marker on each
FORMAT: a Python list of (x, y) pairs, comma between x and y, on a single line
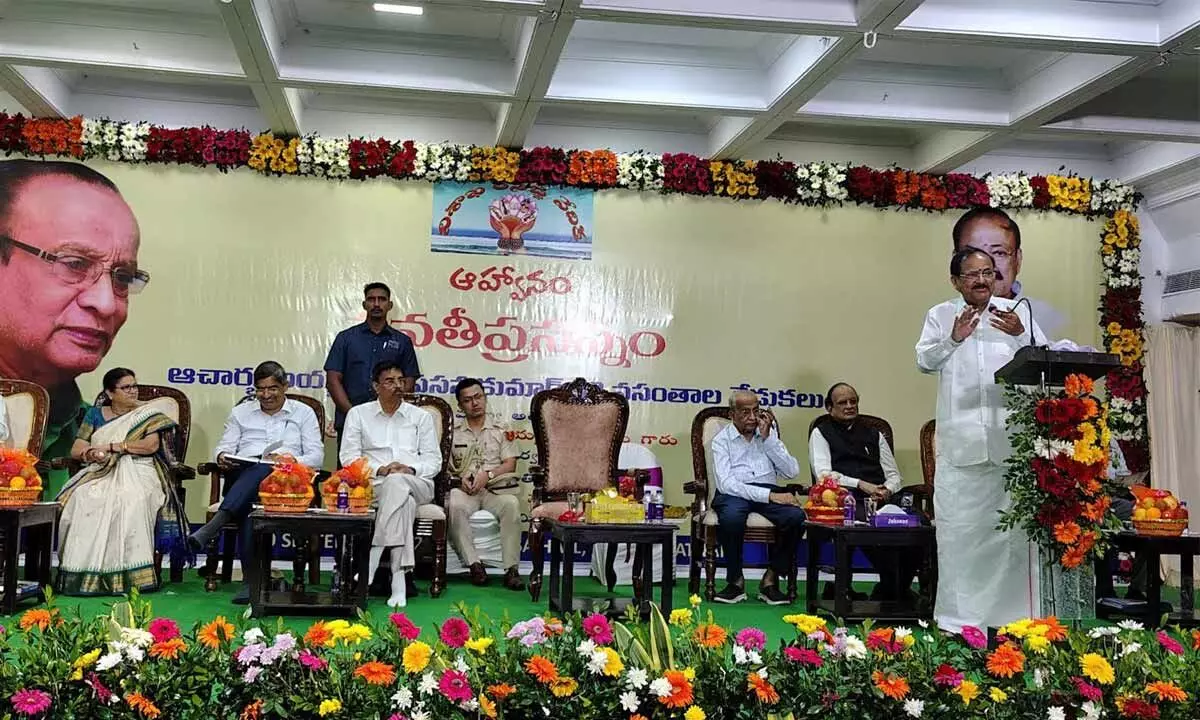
[(1087, 690), (751, 638), (455, 687), (804, 656), (30, 702), (1169, 643), (947, 676), (163, 629), (311, 661), (597, 628), (974, 637), (455, 632), (251, 674), (404, 626), (103, 694)]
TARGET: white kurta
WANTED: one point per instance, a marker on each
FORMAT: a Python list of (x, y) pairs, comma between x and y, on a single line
[(983, 573), (407, 436)]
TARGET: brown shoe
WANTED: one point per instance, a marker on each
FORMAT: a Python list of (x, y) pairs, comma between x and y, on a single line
[(479, 576), (512, 579)]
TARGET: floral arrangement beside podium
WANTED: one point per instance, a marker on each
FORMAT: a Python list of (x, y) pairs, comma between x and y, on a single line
[(20, 484), (685, 667)]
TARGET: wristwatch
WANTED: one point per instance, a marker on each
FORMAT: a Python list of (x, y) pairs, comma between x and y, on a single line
[(491, 475)]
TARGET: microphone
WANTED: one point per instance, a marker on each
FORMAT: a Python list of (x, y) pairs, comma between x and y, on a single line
[(1032, 340)]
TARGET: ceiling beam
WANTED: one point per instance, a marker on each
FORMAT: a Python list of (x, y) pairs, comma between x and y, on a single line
[(811, 17), (39, 90), (808, 65), (539, 47), (257, 38), (1157, 162), (1149, 129)]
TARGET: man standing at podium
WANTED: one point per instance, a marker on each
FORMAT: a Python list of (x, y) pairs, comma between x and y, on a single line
[(983, 573)]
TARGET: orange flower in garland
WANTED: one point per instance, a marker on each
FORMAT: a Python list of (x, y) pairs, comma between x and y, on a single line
[(494, 163), (1005, 661), (905, 186), (710, 636), (143, 705), (891, 685), (763, 690), (319, 635), (39, 618), (1167, 691), (54, 136), (253, 711), (216, 632), (1077, 385), (376, 673), (1096, 510), (933, 193), (592, 168), (501, 691), (542, 669), (168, 649), (681, 690), (1067, 532)]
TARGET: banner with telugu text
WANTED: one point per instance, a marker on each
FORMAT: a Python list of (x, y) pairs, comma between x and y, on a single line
[(682, 301)]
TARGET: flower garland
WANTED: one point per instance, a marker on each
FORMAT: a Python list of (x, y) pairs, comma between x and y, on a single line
[(590, 668), (1057, 474), (1121, 320)]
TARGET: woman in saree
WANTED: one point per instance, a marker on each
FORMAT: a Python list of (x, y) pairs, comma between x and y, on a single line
[(121, 507)]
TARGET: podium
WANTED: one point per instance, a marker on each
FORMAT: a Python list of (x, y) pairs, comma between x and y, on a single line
[(1066, 594)]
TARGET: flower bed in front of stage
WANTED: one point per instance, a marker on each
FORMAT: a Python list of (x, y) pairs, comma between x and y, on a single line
[(583, 668)]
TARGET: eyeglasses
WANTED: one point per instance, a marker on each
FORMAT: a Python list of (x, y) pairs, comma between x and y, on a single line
[(78, 270), (132, 387), (979, 275), (269, 390), (391, 382), (745, 412)]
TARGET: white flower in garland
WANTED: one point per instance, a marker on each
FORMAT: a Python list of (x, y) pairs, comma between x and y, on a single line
[(1010, 190), (324, 157), (639, 171), (443, 161), (101, 139), (133, 141), (821, 183), (1108, 196)]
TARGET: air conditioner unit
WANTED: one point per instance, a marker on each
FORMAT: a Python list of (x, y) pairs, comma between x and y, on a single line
[(1181, 297)]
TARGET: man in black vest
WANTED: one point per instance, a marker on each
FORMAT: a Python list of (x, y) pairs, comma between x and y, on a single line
[(861, 461)]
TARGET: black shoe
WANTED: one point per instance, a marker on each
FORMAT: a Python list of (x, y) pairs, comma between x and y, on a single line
[(479, 576), (381, 583), (512, 579), (829, 592), (243, 595), (770, 595), (731, 595), (410, 587), (194, 545)]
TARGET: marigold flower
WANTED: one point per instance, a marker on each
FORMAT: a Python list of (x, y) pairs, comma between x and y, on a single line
[(376, 673), (891, 685), (709, 635), (542, 669), (216, 632), (1005, 661), (37, 617)]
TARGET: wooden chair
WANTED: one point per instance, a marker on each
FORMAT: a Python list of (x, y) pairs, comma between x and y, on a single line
[(578, 429), (924, 493), (705, 426), (229, 532), (175, 405), (431, 518), (871, 421), (28, 407)]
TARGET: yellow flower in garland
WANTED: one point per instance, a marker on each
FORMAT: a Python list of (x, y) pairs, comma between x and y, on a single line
[(1069, 193), (1086, 449), (1095, 667), (695, 712), (416, 657), (329, 707), (737, 180), (494, 163), (268, 152)]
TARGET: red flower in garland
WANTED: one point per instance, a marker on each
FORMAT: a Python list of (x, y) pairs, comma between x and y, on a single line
[(686, 173), (11, 127), (964, 191), (404, 161), (933, 192), (1122, 306), (544, 166), (369, 158), (776, 179), (864, 185), (1041, 192)]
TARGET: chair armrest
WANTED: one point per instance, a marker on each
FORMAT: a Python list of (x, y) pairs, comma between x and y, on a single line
[(182, 472), (796, 488), (207, 468), (694, 487), (917, 490)]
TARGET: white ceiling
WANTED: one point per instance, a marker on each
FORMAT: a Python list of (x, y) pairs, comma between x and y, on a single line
[(1099, 83)]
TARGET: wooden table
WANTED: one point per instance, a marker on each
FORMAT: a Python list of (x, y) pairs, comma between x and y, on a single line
[(1151, 550), (645, 535), (350, 593), (845, 539), (39, 522)]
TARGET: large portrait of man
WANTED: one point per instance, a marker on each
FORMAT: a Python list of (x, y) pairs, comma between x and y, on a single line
[(68, 264)]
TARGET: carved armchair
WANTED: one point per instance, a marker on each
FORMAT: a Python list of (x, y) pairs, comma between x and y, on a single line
[(578, 429), (229, 533), (924, 493), (28, 407), (431, 518), (175, 405), (871, 421), (705, 426)]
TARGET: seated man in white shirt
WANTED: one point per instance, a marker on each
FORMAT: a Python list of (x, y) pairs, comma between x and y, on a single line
[(400, 442), (287, 427), (859, 458), (5, 433), (748, 456)]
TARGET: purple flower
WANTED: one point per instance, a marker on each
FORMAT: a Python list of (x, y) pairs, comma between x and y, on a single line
[(597, 628), (311, 661), (285, 642), (103, 694), (455, 632), (249, 653), (404, 626), (974, 637), (751, 638), (531, 632), (269, 656), (30, 702), (163, 629), (251, 674)]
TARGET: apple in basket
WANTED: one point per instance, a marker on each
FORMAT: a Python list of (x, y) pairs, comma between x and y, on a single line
[(826, 494)]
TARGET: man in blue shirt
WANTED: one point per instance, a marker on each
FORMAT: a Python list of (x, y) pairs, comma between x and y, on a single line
[(357, 350)]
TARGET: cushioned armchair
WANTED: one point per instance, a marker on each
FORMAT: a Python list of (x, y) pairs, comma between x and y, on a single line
[(870, 421), (705, 426), (924, 493), (578, 428), (431, 518), (28, 407)]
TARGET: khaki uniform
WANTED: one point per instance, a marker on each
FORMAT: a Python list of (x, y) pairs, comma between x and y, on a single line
[(483, 449)]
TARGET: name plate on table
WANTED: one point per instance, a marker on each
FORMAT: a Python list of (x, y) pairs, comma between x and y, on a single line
[(897, 521)]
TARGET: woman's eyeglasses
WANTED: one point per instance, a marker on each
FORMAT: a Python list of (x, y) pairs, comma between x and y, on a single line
[(78, 270)]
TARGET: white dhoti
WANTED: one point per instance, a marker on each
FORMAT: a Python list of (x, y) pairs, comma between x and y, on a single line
[(398, 496), (983, 573)]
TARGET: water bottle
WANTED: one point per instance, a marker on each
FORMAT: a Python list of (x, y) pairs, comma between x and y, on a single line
[(848, 508), (657, 503), (870, 508), (648, 503), (906, 504), (343, 498)]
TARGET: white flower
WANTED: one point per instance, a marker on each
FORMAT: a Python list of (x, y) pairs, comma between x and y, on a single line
[(1107, 631), (855, 649), (629, 701), (1091, 711), (403, 698), (1010, 190), (762, 673), (420, 715), (135, 654), (636, 678), (1129, 649), (821, 183), (597, 662), (901, 633), (1038, 679), (137, 637), (252, 636), (639, 171), (428, 684), (924, 624), (1056, 713), (469, 705), (586, 647), (661, 687), (1129, 625), (914, 707), (755, 658), (108, 661)]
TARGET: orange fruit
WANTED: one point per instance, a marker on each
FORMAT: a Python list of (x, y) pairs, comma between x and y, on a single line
[(1153, 513), (358, 492), (17, 483), (829, 498), (1139, 514)]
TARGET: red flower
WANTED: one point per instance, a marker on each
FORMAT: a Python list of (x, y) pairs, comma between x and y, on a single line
[(369, 158), (863, 185), (776, 179), (11, 127), (947, 676), (1088, 691), (1138, 709), (543, 166), (687, 174), (1169, 643), (404, 161), (964, 191), (1041, 192), (455, 632)]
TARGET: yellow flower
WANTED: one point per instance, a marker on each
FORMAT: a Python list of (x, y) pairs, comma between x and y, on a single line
[(612, 662), (806, 624), (681, 617), (479, 645), (87, 659), (329, 707), (355, 633), (1017, 629), (1038, 644), (416, 657), (1095, 667), (564, 687), (694, 713), (694, 601), (968, 691), (689, 673), (998, 695)]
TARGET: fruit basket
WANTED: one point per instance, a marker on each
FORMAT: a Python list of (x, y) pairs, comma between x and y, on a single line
[(611, 507), (1158, 513), (288, 489), (357, 477), (1160, 528), (20, 484), (824, 504)]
